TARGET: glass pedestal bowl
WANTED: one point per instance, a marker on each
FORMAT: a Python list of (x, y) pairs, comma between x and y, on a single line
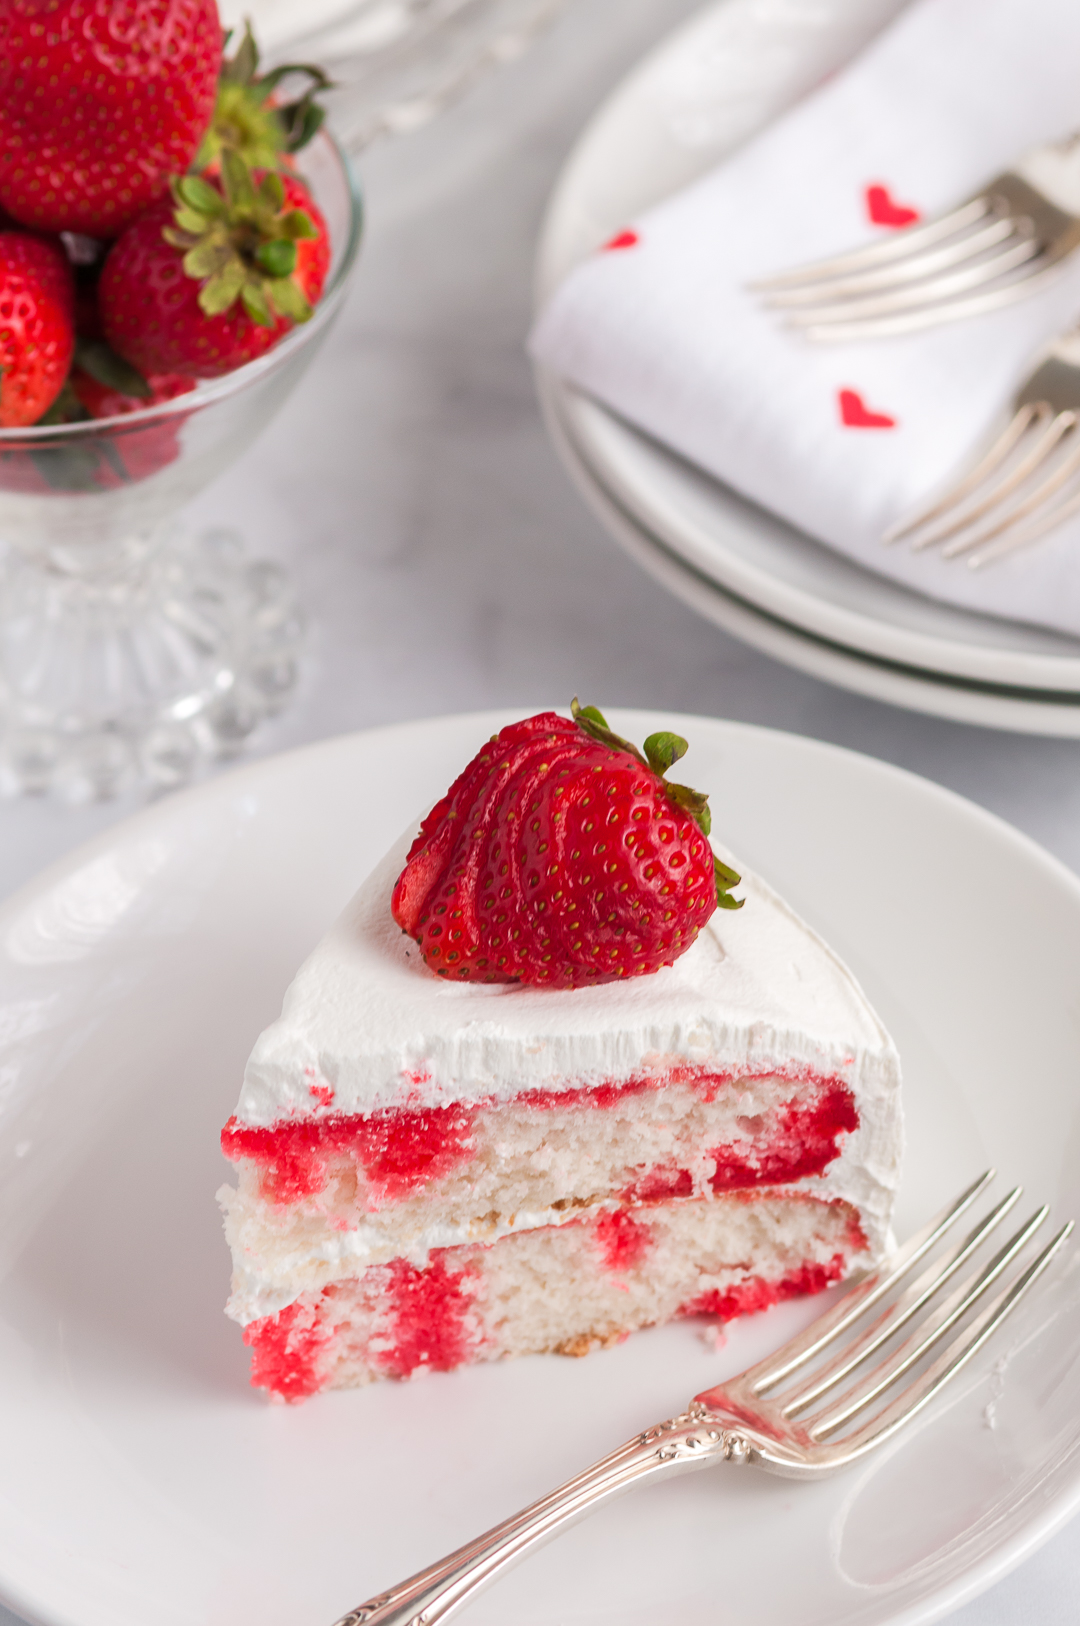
[(130, 649), (395, 64)]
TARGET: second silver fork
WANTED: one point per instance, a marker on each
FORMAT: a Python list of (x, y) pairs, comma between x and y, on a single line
[(1025, 485), (996, 247)]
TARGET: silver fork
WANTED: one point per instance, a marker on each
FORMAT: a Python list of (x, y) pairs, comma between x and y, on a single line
[(763, 1417), (1028, 481), (998, 246)]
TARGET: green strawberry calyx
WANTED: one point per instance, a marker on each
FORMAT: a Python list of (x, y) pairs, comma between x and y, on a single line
[(661, 752), (240, 241), (249, 121)]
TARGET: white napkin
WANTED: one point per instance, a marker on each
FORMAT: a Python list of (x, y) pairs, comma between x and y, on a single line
[(663, 330)]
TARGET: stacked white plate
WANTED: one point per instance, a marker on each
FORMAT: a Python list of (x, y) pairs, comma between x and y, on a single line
[(705, 89)]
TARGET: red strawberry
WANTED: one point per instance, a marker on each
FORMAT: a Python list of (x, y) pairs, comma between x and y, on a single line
[(37, 326), (562, 857), (103, 385), (213, 281), (101, 101), (20, 472), (142, 450), (105, 401)]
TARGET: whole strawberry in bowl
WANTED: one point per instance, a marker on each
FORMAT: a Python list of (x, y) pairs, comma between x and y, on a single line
[(37, 326), (100, 103), (212, 277), (130, 650)]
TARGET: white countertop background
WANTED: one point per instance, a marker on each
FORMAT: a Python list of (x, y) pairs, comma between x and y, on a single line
[(447, 564)]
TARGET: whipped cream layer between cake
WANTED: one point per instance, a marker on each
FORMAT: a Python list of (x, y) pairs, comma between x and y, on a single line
[(755, 1060)]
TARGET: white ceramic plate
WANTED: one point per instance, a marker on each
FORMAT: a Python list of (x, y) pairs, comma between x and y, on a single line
[(143, 1484), (1029, 711), (706, 89)]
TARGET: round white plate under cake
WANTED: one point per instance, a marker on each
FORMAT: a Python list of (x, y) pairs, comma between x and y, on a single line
[(702, 92), (142, 1483)]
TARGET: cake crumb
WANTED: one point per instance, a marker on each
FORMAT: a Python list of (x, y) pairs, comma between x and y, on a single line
[(585, 1342)]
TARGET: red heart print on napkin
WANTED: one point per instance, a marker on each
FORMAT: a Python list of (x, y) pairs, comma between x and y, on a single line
[(623, 239), (855, 414), (884, 212)]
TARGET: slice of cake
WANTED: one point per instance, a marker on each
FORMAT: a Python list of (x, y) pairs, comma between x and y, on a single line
[(436, 1170)]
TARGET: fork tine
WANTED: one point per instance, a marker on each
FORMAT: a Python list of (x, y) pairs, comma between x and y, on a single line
[(904, 297), (863, 1296), (884, 327), (1046, 438), (996, 455), (930, 1383), (898, 270), (887, 248), (1024, 538), (925, 1336), (910, 1302), (1035, 500)]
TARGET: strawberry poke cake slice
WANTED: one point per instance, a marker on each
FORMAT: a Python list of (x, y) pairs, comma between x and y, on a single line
[(547, 1080)]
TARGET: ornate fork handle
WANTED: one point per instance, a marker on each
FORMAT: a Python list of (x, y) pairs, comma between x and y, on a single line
[(694, 1439)]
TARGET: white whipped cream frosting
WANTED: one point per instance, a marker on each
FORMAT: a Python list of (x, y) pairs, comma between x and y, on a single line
[(366, 1025)]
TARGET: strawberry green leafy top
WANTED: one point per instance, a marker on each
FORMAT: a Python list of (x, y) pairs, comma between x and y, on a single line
[(240, 242), (662, 751)]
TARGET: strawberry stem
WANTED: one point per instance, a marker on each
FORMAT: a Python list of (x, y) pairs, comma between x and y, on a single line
[(248, 122), (662, 751)]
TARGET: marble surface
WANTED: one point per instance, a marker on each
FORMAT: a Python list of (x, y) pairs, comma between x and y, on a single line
[(448, 565)]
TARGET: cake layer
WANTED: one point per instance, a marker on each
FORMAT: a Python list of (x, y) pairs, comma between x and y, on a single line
[(566, 1289), (319, 1200)]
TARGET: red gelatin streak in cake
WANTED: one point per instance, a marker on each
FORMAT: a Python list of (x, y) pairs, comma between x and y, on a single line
[(400, 1150), (425, 1322), (601, 1097), (802, 1142), (623, 1241), (747, 1298), (429, 1311), (403, 1149), (659, 1185), (287, 1349)]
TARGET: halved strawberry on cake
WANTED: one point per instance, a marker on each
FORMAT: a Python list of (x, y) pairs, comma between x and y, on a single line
[(547, 1081)]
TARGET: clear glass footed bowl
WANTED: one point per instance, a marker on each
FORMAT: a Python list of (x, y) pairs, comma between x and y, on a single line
[(130, 649), (395, 64)]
